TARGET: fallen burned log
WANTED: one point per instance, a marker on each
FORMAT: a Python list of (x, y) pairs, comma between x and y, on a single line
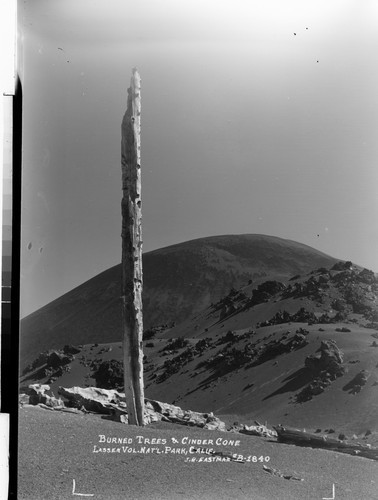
[(258, 430), (303, 438), (276, 472)]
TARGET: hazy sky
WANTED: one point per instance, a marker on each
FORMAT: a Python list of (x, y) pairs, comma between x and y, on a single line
[(257, 117)]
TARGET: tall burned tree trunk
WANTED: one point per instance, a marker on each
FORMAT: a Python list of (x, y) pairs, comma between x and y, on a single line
[(132, 276)]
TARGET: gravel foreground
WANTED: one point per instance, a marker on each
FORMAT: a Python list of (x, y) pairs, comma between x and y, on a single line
[(59, 458)]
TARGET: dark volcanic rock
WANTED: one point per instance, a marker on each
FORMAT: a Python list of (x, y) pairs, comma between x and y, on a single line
[(265, 291), (52, 364), (56, 359), (325, 368), (149, 333), (71, 349), (301, 316), (109, 374), (330, 360), (356, 384), (227, 310), (341, 266), (317, 386), (343, 329), (277, 347), (367, 276)]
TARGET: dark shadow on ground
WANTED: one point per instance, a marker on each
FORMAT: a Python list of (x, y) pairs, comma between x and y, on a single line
[(353, 386), (295, 381)]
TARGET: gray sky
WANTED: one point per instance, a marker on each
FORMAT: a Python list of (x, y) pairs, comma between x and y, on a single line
[(257, 117)]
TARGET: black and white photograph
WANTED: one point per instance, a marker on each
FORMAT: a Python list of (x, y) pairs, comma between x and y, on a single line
[(198, 250)]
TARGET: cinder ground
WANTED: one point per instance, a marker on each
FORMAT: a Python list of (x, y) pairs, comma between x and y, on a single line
[(56, 449), (265, 392)]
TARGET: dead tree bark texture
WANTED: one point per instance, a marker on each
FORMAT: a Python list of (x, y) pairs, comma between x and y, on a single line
[(132, 274)]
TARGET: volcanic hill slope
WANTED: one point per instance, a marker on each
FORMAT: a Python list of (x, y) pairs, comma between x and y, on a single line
[(301, 351), (179, 281)]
